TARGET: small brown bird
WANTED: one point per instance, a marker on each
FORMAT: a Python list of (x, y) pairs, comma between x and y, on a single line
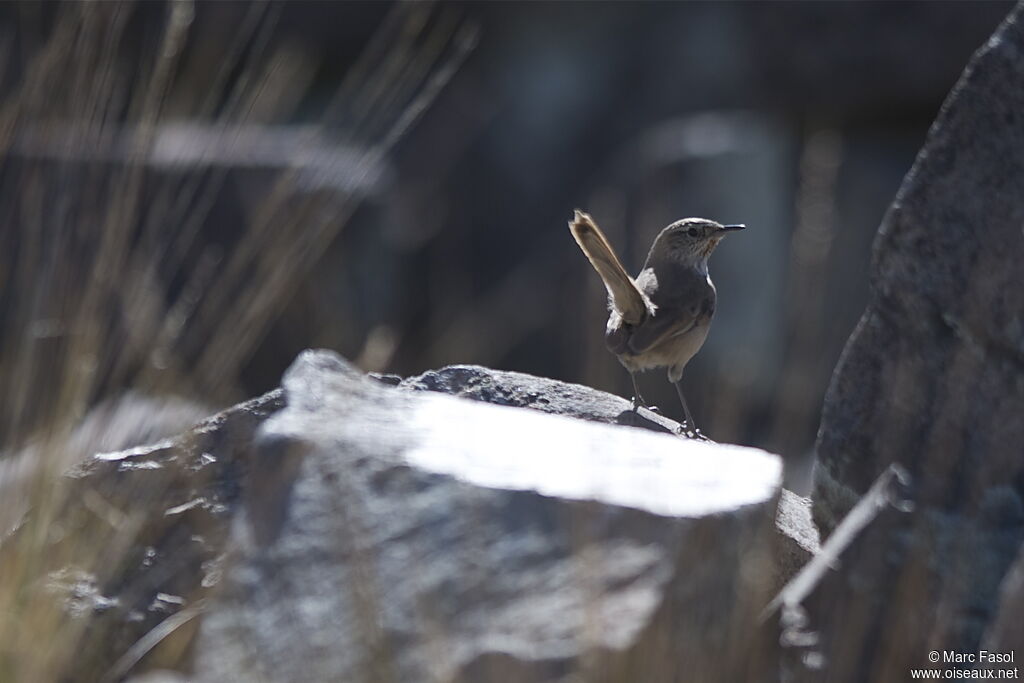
[(659, 319)]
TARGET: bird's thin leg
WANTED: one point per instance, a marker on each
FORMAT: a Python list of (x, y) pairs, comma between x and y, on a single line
[(638, 400), (686, 409)]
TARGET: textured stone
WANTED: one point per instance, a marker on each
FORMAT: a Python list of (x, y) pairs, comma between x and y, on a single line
[(129, 420), (796, 539), (505, 388), (933, 379), (1006, 632), (347, 529), (934, 374), (139, 533), (403, 535)]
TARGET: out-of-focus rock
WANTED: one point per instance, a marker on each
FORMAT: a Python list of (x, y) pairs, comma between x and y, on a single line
[(933, 379), (797, 539), (413, 536), (934, 374), (840, 587), (161, 676), (129, 420), (1006, 632), (135, 537)]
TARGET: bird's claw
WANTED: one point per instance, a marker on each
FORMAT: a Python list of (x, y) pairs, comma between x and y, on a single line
[(638, 404), (684, 429)]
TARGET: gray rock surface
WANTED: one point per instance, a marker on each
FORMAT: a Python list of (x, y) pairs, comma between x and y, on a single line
[(838, 601), (1006, 632), (506, 388), (934, 374), (933, 379), (398, 535), (132, 419), (344, 528), (796, 539), (140, 533)]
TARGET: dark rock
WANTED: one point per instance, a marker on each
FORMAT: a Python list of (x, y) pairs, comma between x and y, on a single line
[(129, 420), (853, 595), (518, 389), (1006, 632), (933, 379), (893, 583), (412, 536), (386, 378), (934, 374), (139, 533)]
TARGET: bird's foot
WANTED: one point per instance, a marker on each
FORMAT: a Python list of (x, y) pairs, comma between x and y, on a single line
[(689, 431), (638, 403)]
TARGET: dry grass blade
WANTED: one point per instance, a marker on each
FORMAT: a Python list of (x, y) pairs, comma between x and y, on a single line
[(109, 275)]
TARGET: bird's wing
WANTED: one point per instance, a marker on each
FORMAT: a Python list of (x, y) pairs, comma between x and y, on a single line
[(664, 326), (626, 298), (684, 298)]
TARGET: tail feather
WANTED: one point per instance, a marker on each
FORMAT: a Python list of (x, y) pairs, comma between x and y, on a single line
[(626, 298)]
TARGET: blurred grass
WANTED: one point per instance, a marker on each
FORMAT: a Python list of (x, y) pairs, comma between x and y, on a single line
[(114, 274)]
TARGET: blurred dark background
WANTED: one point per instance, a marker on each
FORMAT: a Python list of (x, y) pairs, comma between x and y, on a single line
[(799, 119)]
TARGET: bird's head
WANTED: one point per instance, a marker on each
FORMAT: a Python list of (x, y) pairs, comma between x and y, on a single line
[(690, 240)]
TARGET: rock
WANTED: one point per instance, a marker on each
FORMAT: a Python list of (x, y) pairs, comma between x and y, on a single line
[(904, 581), (518, 389), (401, 535), (348, 529), (852, 596), (139, 534), (129, 420), (161, 676), (1006, 632), (796, 538), (933, 379), (938, 358)]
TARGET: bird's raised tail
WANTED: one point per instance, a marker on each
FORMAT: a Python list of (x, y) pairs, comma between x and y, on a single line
[(626, 298)]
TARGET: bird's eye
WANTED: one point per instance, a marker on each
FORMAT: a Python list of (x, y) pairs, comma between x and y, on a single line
[(692, 232)]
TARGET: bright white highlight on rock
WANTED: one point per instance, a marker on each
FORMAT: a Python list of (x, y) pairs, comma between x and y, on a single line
[(512, 448)]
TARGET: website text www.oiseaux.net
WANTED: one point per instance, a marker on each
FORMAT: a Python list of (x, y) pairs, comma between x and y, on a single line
[(987, 666)]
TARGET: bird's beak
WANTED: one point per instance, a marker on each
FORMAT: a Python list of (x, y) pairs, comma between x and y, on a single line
[(730, 228)]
